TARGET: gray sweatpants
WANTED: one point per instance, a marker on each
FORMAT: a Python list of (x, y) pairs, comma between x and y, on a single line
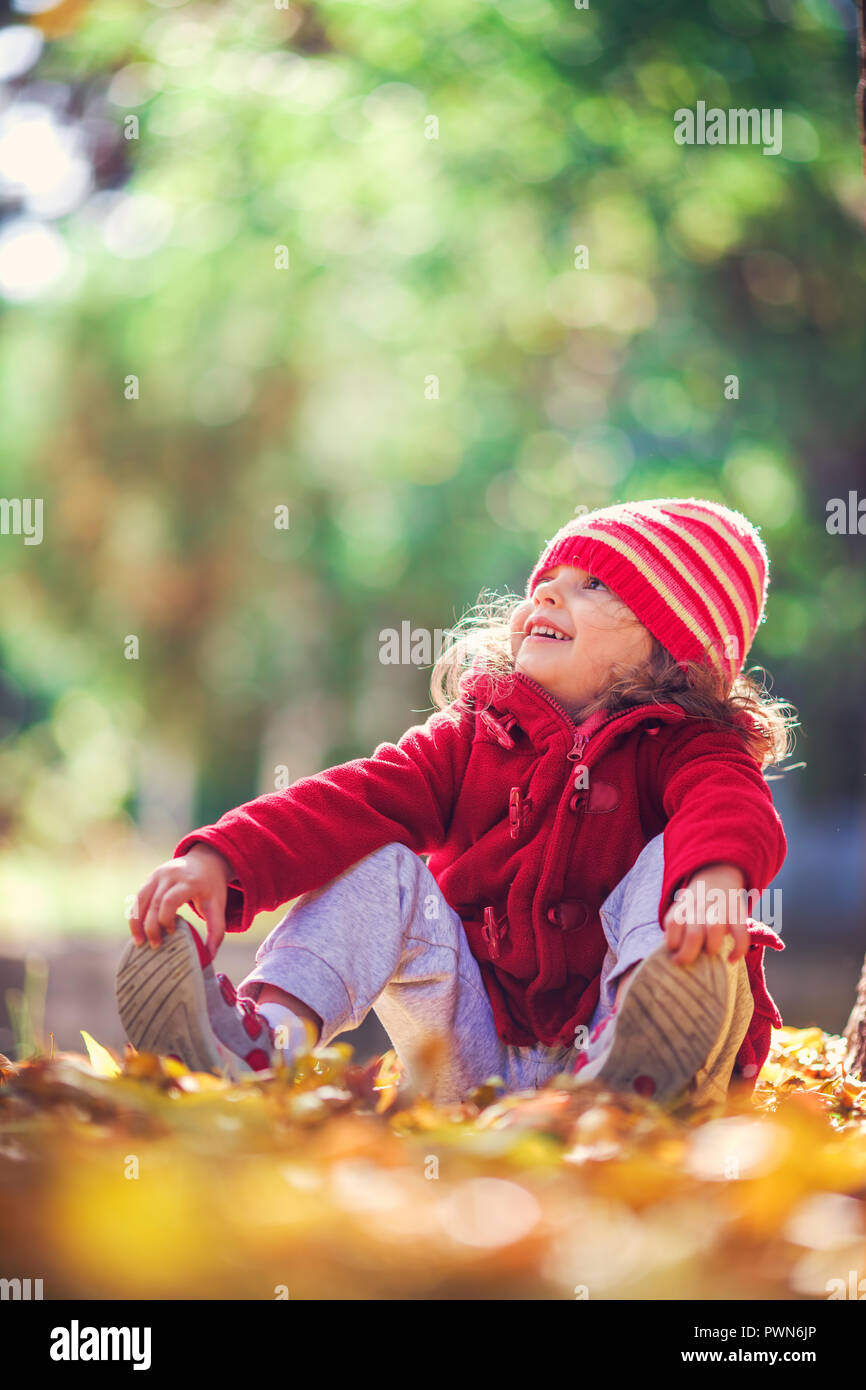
[(381, 936)]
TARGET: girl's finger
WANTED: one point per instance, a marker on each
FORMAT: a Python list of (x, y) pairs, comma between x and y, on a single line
[(174, 897), (139, 911), (691, 945), (715, 937), (135, 927), (152, 929), (673, 930), (213, 912), (740, 933), (166, 900)]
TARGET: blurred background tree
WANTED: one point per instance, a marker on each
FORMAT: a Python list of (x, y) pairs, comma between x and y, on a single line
[(323, 257)]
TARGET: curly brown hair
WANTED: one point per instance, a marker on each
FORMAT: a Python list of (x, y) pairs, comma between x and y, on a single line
[(482, 638)]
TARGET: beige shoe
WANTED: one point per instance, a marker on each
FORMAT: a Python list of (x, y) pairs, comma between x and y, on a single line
[(677, 1030), (710, 1083)]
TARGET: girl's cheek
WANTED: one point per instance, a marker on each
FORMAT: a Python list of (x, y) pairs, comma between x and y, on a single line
[(518, 618)]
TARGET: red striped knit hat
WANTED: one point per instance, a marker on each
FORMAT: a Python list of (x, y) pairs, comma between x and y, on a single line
[(693, 572)]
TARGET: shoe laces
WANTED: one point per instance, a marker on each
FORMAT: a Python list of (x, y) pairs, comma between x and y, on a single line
[(251, 1019)]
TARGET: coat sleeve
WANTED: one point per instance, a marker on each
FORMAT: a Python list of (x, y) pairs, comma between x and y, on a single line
[(286, 843), (719, 810)]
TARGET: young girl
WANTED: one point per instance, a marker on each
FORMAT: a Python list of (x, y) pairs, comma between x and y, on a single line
[(589, 794)]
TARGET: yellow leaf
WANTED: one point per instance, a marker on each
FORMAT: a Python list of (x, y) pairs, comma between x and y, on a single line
[(101, 1059), (795, 1039), (851, 1092), (172, 1067)]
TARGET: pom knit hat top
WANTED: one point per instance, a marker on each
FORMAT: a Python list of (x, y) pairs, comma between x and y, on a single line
[(694, 573)]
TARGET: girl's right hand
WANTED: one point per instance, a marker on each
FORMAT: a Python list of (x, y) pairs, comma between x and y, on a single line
[(200, 876)]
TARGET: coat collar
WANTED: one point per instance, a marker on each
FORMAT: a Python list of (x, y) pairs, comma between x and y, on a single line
[(513, 698)]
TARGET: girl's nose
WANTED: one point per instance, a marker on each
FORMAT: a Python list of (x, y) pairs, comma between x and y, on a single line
[(547, 592)]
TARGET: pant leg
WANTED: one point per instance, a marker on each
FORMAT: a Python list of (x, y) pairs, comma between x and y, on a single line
[(382, 936), (629, 917)]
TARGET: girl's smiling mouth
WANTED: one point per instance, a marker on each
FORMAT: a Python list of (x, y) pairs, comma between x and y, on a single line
[(546, 632)]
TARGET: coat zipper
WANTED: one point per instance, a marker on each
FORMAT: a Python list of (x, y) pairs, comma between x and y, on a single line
[(491, 932), (579, 741), (578, 748)]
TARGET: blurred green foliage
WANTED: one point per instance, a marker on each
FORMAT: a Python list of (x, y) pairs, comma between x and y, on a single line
[(429, 171)]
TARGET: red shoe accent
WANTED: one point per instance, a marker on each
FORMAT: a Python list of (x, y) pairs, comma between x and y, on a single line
[(228, 990), (258, 1060), (252, 1024), (599, 1028), (204, 954), (594, 1035), (644, 1086)]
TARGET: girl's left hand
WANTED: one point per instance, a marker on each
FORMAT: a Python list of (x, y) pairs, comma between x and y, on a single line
[(711, 904)]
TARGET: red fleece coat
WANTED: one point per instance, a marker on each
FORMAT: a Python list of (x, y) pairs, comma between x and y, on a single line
[(522, 848)]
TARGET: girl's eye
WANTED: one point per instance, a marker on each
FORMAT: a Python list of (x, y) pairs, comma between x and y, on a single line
[(593, 583)]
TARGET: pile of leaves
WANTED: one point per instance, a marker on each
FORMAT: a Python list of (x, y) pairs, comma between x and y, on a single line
[(137, 1178)]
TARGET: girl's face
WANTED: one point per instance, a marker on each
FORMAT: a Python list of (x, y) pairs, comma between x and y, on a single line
[(599, 633)]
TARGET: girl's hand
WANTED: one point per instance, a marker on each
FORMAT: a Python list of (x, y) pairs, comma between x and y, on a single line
[(201, 877), (704, 909)]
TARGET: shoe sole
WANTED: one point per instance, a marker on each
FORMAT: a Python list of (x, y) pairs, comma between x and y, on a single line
[(667, 1025), (162, 1004)]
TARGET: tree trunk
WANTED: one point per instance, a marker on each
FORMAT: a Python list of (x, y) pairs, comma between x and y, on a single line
[(855, 1028), (855, 1032), (861, 85)]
